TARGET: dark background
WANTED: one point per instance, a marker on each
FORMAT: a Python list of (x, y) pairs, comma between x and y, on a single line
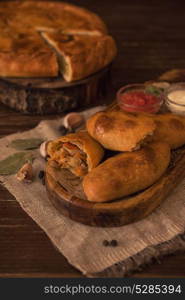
[(151, 40)]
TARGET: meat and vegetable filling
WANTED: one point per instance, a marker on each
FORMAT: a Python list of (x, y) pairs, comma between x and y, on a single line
[(71, 157), (77, 152)]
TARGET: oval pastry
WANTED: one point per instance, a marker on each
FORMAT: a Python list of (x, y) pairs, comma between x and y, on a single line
[(121, 131), (170, 129), (127, 173), (77, 152)]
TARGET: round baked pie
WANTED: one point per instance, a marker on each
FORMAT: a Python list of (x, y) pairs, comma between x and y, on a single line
[(45, 39)]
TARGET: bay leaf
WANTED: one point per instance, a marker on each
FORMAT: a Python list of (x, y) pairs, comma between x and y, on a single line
[(13, 163), (26, 144)]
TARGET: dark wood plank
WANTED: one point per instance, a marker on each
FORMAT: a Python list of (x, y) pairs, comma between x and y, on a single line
[(150, 38), (25, 249)]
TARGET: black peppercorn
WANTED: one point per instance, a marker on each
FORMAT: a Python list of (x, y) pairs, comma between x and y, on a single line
[(105, 243), (41, 174), (113, 243)]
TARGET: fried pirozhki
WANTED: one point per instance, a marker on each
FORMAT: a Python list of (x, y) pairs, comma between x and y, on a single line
[(77, 152), (127, 173), (170, 128), (121, 131)]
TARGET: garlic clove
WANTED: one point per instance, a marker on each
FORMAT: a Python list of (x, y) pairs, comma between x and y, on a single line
[(25, 173), (43, 149), (73, 120)]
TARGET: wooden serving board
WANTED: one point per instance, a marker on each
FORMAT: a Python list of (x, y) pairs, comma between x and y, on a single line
[(66, 193), (54, 95)]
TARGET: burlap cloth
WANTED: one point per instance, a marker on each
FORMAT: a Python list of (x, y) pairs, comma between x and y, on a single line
[(138, 243)]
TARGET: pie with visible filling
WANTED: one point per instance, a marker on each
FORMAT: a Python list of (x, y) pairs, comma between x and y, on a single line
[(77, 152), (47, 39)]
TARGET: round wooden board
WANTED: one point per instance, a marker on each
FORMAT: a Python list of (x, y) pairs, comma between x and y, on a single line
[(55, 95), (66, 194)]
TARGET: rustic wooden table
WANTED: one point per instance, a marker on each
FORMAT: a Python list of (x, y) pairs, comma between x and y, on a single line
[(150, 38)]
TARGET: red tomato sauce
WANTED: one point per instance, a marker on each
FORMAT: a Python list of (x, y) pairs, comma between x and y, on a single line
[(139, 101)]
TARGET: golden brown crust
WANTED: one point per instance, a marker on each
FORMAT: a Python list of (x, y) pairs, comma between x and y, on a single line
[(127, 173), (25, 65), (91, 20), (120, 131), (26, 56), (6, 41), (60, 15), (170, 129), (83, 141), (30, 17), (82, 54), (22, 42)]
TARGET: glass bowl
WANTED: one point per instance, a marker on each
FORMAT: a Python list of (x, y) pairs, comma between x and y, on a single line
[(140, 98), (175, 98)]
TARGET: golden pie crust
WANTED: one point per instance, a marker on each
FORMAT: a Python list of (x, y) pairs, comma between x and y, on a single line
[(45, 39)]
